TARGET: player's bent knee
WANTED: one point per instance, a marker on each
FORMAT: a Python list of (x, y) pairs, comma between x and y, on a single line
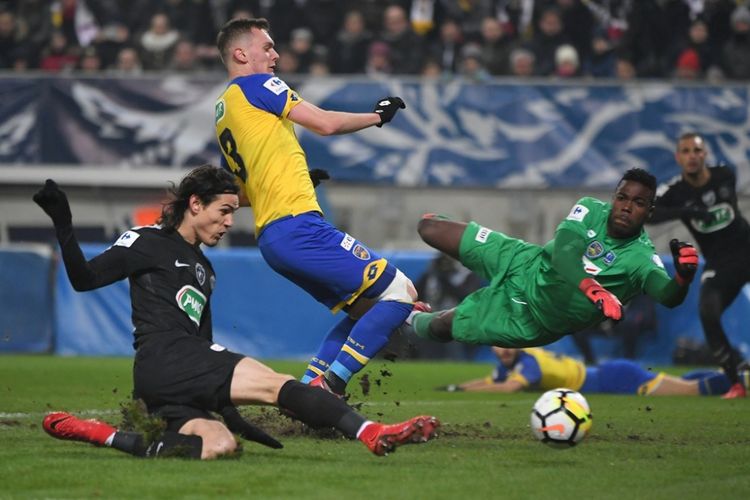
[(401, 289)]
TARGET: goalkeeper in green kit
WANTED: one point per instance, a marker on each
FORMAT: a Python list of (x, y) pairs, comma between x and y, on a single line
[(600, 258)]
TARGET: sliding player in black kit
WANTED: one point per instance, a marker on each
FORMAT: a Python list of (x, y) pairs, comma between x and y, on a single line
[(705, 200), (179, 373)]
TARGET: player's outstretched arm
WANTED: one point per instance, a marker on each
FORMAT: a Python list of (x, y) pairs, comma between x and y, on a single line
[(326, 122), (83, 275)]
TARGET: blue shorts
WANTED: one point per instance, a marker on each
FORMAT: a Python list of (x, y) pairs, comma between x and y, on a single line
[(619, 376), (329, 264)]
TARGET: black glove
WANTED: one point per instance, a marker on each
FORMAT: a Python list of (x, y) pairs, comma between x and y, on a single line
[(700, 213), (318, 175), (387, 107), (685, 260), (54, 202), (238, 425)]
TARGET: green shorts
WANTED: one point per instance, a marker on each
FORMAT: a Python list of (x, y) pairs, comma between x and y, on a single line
[(498, 314)]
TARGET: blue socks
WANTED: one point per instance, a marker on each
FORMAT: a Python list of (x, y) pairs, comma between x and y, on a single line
[(369, 335), (710, 382), (329, 349)]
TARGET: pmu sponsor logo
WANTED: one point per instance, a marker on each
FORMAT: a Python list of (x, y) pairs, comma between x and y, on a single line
[(192, 302)]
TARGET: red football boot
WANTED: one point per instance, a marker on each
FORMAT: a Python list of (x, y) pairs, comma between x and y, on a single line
[(419, 307), (320, 381), (736, 391), (382, 439), (63, 425)]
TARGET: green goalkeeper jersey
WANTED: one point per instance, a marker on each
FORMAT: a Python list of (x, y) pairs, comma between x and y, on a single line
[(625, 267)]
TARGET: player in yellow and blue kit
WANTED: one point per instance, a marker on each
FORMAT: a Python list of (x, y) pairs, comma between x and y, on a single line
[(542, 370), (255, 119)]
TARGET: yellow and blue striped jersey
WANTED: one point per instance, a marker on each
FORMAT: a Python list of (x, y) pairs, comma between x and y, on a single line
[(260, 147), (540, 369)]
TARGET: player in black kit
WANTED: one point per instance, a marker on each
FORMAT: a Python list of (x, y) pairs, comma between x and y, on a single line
[(179, 373), (705, 200)]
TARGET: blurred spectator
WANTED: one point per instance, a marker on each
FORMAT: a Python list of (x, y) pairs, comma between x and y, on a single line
[(157, 43), (547, 40), (567, 62), (653, 25), (36, 21), (578, 25), (378, 59), (11, 42), (638, 320), (111, 40), (90, 62), (288, 64), (75, 20), (469, 15), (624, 69), (184, 57), (431, 69), (406, 50), (447, 48), (58, 55), (471, 64), (319, 67), (735, 55), (522, 62), (688, 65), (193, 19), (444, 284), (349, 53), (697, 43), (496, 47), (128, 62), (301, 45), (601, 61)]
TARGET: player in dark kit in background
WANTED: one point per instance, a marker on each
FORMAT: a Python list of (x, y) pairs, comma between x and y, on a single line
[(254, 120), (705, 200), (179, 372)]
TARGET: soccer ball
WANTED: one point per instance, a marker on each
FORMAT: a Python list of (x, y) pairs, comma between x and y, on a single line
[(561, 418)]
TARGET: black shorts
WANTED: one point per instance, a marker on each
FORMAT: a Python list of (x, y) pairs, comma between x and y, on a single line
[(727, 278), (181, 377)]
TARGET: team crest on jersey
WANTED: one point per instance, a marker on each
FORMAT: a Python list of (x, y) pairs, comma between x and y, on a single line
[(577, 213), (594, 250), (192, 302), (293, 96), (276, 85), (709, 198), (609, 258), (219, 111), (200, 273), (360, 252), (126, 239)]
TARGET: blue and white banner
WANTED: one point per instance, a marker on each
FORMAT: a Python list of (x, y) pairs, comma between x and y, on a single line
[(451, 133)]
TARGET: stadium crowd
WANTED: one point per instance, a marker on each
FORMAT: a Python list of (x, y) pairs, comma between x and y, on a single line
[(477, 39)]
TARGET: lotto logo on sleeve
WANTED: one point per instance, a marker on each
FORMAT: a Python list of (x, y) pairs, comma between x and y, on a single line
[(482, 235), (577, 213), (192, 302)]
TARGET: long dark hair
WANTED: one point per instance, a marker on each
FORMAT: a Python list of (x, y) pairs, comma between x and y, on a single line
[(206, 182)]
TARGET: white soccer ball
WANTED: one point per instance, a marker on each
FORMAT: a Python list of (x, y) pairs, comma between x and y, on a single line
[(561, 418)]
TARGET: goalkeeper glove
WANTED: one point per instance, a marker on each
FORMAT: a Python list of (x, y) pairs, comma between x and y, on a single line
[(605, 300), (685, 261), (55, 204), (387, 107), (318, 175)]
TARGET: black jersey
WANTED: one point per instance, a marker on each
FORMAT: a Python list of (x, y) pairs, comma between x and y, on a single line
[(727, 237), (170, 280)]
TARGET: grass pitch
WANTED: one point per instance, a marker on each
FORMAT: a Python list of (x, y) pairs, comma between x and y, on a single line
[(667, 447)]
